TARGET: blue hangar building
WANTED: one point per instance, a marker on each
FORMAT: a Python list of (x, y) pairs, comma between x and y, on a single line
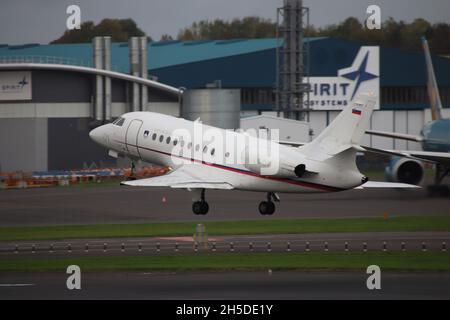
[(250, 65)]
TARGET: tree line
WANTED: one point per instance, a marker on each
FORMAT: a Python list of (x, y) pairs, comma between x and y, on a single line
[(397, 34), (119, 30)]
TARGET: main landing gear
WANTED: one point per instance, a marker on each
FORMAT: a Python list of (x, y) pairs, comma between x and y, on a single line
[(133, 172), (200, 207), (268, 207), (438, 189)]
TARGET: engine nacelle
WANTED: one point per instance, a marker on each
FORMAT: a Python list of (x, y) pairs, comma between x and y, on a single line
[(405, 171), (289, 166), (284, 170)]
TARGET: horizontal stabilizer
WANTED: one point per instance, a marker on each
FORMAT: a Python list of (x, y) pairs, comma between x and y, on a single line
[(292, 143), (382, 184)]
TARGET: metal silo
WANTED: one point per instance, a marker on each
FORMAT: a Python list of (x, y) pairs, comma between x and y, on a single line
[(133, 47), (107, 66), (97, 44), (216, 107)]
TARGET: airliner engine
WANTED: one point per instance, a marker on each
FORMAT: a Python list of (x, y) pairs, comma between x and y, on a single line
[(405, 171)]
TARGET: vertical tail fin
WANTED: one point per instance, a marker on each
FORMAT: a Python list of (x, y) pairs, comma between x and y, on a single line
[(346, 130), (433, 91)]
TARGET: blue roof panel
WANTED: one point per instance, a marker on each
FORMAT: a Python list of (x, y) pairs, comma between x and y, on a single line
[(160, 54), (243, 62), (194, 51)]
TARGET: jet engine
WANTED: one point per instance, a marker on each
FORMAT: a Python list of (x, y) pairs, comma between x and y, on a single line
[(405, 171), (264, 164), (284, 170)]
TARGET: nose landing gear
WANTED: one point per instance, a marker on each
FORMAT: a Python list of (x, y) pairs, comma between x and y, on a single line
[(268, 207), (133, 172)]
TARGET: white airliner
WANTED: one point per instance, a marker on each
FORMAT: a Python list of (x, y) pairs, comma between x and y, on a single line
[(327, 164), (434, 137)]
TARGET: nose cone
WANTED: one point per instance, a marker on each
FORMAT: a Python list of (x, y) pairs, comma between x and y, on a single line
[(98, 135)]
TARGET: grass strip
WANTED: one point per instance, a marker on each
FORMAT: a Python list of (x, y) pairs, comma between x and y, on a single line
[(400, 261), (218, 228)]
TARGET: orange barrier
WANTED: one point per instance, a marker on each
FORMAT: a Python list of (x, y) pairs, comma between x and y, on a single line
[(16, 180), (146, 172)]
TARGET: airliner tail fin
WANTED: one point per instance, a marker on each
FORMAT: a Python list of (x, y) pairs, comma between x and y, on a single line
[(432, 88)]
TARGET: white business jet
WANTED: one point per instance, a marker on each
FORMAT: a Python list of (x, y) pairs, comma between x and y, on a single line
[(203, 157)]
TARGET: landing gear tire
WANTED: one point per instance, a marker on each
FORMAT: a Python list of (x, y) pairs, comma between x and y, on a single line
[(266, 208), (200, 207)]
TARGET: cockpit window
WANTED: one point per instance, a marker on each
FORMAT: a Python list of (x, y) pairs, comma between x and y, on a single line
[(119, 121)]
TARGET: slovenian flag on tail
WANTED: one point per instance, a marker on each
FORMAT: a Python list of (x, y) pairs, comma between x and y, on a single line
[(356, 111)]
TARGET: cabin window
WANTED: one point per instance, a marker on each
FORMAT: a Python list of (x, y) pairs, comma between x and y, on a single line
[(154, 136), (205, 149), (175, 142), (168, 140), (197, 147), (161, 138), (227, 154), (213, 151), (146, 133), (189, 145)]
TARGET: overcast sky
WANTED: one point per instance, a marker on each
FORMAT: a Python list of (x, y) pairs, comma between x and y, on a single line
[(26, 21)]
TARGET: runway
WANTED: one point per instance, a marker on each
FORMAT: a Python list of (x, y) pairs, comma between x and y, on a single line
[(121, 204), (314, 242), (97, 205), (277, 285)]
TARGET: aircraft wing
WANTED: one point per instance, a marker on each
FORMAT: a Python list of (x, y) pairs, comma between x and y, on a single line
[(180, 178), (395, 135), (380, 184), (440, 157), (427, 156), (395, 153)]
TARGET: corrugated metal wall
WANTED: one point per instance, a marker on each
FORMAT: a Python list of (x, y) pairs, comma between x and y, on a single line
[(23, 144)]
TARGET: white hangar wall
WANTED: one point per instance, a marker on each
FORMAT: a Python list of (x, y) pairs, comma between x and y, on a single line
[(403, 121)]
